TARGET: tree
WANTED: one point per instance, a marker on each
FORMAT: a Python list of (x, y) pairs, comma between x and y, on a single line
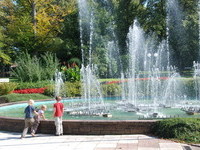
[(33, 25), (153, 19), (183, 38), (127, 11), (69, 38)]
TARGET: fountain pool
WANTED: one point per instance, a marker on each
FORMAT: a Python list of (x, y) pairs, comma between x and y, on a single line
[(74, 110)]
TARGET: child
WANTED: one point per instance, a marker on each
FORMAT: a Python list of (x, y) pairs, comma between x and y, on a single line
[(58, 113), (38, 118), (29, 120)]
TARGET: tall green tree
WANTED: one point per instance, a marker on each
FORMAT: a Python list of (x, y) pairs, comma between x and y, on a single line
[(69, 47), (191, 26), (127, 11), (183, 35), (33, 25), (153, 19)]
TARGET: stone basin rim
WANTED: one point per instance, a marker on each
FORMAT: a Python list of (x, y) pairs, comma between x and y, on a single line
[(80, 127)]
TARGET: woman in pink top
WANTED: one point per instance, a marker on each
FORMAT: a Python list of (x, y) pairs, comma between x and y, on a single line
[(58, 113)]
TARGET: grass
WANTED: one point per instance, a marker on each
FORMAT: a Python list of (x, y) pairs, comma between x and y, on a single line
[(23, 97)]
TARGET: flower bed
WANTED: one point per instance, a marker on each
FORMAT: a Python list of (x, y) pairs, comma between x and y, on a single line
[(29, 91)]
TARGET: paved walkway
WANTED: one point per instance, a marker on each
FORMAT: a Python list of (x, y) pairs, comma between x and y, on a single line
[(12, 141)]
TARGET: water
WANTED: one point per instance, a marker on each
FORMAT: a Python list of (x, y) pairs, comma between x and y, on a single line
[(152, 82), (93, 42), (91, 92), (17, 110), (59, 85), (149, 75), (196, 65)]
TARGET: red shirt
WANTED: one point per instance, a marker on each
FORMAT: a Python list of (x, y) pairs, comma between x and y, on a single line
[(58, 109)]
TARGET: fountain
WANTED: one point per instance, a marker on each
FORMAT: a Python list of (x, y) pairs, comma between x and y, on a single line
[(151, 80), (150, 85), (59, 85), (150, 77)]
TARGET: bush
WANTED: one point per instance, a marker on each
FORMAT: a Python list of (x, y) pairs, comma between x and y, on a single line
[(6, 88), (32, 85), (72, 89), (33, 69), (50, 90), (71, 73), (111, 89), (189, 87), (187, 129)]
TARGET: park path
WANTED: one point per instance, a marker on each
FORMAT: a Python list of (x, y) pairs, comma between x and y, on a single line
[(12, 141)]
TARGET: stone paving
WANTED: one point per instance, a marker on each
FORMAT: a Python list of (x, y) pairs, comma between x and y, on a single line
[(12, 141)]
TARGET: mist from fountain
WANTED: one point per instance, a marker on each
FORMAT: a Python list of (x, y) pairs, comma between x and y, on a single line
[(196, 65), (59, 85), (91, 41), (151, 81)]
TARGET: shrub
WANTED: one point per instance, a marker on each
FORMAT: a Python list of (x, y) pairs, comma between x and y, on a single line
[(71, 73), (179, 128), (3, 99), (72, 89), (50, 90), (6, 88), (189, 87), (111, 89), (32, 69), (32, 85)]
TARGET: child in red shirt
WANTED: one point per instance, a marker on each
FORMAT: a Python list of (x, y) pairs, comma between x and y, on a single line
[(58, 113)]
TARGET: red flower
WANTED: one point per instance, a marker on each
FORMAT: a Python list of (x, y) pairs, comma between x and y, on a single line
[(29, 91)]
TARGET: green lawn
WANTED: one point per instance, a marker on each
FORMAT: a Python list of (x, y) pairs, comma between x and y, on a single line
[(23, 97)]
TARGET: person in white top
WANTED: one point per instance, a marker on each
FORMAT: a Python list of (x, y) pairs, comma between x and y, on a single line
[(38, 118)]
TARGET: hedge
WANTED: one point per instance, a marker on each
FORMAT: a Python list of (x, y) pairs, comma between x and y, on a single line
[(184, 129)]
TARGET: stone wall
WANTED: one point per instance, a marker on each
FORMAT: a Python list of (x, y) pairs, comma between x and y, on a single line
[(83, 127)]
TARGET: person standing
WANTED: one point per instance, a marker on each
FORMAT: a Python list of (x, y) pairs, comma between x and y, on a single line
[(29, 120), (58, 113)]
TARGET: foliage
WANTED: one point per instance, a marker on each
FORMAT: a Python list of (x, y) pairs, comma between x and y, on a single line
[(33, 69), (33, 25), (70, 36), (30, 85), (153, 18), (126, 12), (38, 26), (22, 97), (111, 89), (179, 128), (50, 90), (189, 87), (4, 58), (72, 89), (49, 64), (6, 88), (71, 73)]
